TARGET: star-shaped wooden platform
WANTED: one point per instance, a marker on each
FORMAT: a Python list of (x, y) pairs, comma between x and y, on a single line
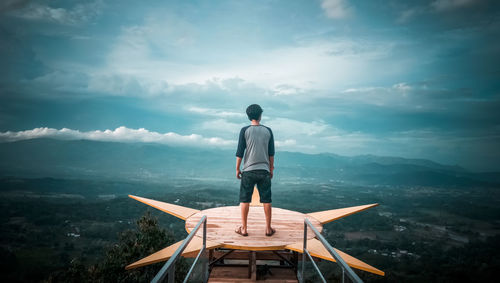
[(222, 221)]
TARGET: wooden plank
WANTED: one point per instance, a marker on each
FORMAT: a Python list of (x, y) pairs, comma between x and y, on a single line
[(224, 274), (316, 249), (162, 255), (222, 221), (261, 255), (334, 214), (175, 210)]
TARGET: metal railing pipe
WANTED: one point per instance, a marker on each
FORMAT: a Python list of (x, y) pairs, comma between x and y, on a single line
[(350, 273), (169, 267)]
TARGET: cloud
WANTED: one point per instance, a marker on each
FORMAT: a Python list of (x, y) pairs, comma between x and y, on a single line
[(291, 128), (336, 9), (124, 134), (222, 125), (127, 85), (436, 6), (352, 143), (407, 15), (9, 5), (161, 56), (121, 134), (286, 143), (284, 71), (394, 96), (446, 5), (215, 112), (167, 53), (291, 133), (286, 90), (417, 96), (354, 84), (34, 11)]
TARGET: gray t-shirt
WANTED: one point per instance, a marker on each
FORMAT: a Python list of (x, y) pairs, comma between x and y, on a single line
[(258, 141)]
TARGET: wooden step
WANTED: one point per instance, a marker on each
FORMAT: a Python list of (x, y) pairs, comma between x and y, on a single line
[(240, 274)]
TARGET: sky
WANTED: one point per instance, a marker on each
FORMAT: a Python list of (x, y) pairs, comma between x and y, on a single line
[(415, 79)]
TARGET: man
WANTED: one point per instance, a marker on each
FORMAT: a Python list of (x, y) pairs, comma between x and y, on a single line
[(258, 166)]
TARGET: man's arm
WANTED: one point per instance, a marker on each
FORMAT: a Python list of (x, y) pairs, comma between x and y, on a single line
[(242, 145), (238, 164), (271, 165), (270, 151)]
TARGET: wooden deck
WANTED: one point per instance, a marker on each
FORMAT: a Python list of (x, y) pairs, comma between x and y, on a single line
[(222, 221)]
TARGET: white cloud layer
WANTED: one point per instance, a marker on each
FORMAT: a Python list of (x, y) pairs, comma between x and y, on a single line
[(124, 134), (121, 134), (294, 136)]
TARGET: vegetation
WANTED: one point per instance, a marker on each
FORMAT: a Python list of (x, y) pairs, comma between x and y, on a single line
[(132, 245), (62, 230)]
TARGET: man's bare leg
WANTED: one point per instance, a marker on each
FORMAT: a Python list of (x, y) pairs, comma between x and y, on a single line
[(268, 213), (244, 216)]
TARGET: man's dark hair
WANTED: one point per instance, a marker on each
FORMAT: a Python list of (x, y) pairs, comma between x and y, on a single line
[(254, 111)]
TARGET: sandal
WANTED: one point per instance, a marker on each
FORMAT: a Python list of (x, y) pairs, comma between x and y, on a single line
[(238, 231), (272, 232)]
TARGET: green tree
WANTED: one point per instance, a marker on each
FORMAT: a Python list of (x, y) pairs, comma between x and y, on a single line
[(132, 246)]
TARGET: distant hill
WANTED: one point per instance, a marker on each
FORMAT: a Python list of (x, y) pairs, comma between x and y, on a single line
[(156, 162)]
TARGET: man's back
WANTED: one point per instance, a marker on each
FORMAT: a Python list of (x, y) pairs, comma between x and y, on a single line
[(258, 141)]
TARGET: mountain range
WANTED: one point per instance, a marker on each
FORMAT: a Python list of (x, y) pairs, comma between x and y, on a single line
[(156, 162)]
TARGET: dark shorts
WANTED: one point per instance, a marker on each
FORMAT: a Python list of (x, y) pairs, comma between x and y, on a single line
[(249, 179)]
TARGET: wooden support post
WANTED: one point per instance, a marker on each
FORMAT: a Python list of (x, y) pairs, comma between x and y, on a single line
[(249, 264), (210, 258), (252, 265), (295, 260)]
